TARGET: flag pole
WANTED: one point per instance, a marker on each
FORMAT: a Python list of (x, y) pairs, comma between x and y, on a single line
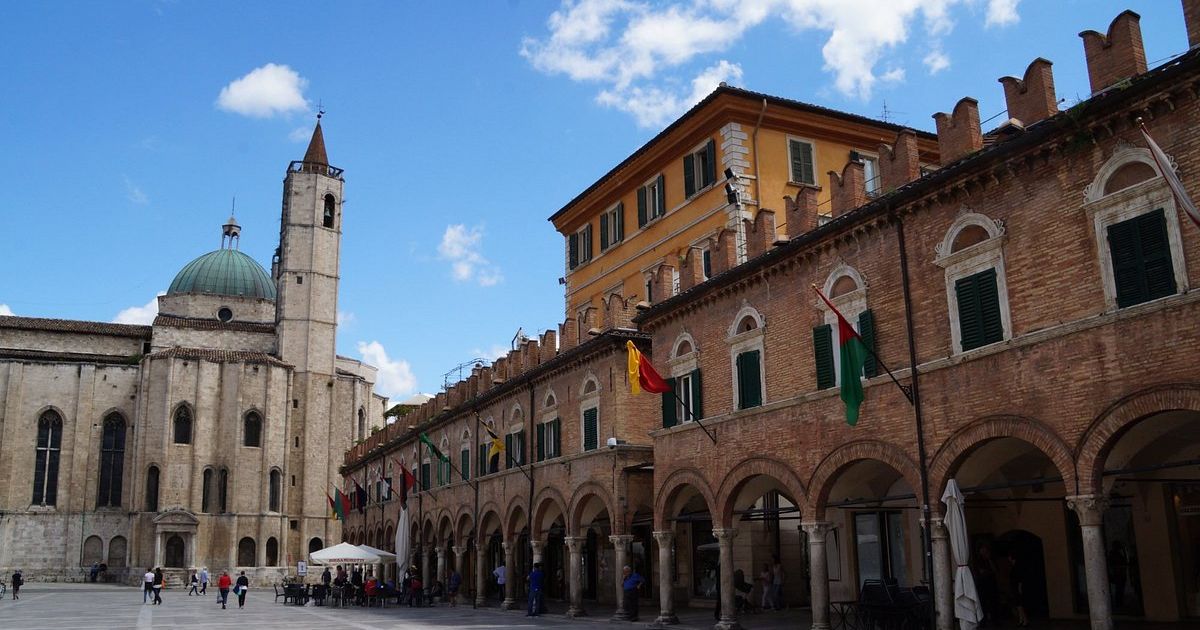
[(496, 437), (687, 410), (905, 389)]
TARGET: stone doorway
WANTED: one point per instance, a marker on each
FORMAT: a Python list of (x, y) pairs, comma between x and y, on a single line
[(175, 552)]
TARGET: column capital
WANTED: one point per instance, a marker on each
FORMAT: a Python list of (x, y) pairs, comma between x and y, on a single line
[(725, 533), (537, 545), (1089, 508), (664, 538), (621, 539), (816, 530), (440, 551), (507, 547), (937, 528), (458, 550), (574, 543)]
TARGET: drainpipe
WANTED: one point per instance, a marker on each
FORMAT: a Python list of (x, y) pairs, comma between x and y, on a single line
[(927, 537), (754, 147)]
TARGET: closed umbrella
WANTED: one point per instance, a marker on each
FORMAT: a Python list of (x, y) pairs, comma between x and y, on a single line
[(967, 608), (402, 540)]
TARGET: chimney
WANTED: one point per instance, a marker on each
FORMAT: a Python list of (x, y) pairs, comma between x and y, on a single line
[(569, 334), (899, 164), (848, 190), (801, 212), (1117, 56), (1031, 99), (760, 234), (724, 252), (662, 282), (691, 272), (958, 133), (1191, 17)]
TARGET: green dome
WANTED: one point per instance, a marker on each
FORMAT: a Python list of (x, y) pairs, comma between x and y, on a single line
[(224, 272)]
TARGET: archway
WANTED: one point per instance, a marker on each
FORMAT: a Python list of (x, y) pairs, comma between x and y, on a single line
[(174, 551), (245, 552), (592, 520), (315, 544), (684, 507), (93, 551)]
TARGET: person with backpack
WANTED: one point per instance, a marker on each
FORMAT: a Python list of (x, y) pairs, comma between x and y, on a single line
[(17, 581), (243, 585), (158, 585), (195, 585)]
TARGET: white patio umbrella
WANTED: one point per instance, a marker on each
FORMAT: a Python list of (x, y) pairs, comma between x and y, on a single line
[(967, 608), (403, 543), (383, 555), (343, 553)]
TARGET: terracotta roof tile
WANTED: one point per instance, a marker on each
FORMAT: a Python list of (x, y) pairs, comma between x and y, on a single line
[(212, 324), (219, 356), (75, 326)]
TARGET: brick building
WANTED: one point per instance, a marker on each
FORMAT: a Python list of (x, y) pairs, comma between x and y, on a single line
[(1033, 292), (207, 439)]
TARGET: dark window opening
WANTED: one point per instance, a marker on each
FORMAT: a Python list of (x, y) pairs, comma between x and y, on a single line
[(225, 314), (183, 425), (152, 489), (252, 432), (329, 208), (45, 467), (112, 462)]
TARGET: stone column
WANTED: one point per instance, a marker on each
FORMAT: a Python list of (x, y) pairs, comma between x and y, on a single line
[(480, 572), (725, 536), (158, 549), (574, 575), (1090, 509), (943, 574), (441, 565), (510, 583), (666, 563), (620, 559), (426, 561), (818, 570), (460, 559), (539, 548)]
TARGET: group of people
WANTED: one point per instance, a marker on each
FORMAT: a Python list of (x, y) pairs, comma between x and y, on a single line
[(411, 590), (153, 582), (1001, 583)]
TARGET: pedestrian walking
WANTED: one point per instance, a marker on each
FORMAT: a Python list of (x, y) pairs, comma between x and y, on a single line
[(195, 585), (147, 585), (243, 585), (777, 583), (223, 584), (95, 571), (203, 580), (630, 583), (17, 581), (326, 577), (536, 579), (453, 584), (767, 578), (501, 575), (158, 585)]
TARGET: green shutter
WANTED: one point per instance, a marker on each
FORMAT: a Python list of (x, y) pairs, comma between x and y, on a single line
[(707, 260), (425, 476), (689, 175), (591, 438), (641, 196), (620, 221), (697, 401), (662, 196), (1141, 258), (465, 463), (604, 231), (749, 380), (558, 437), (541, 442), (802, 162), (966, 291), (989, 307), (710, 162), (573, 250), (866, 330), (508, 450), (823, 356), (1156, 255), (668, 405)]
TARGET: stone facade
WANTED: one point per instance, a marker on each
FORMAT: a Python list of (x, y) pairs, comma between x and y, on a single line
[(253, 377)]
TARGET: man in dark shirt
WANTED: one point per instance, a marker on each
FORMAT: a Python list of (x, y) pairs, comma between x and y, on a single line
[(536, 579), (630, 583)]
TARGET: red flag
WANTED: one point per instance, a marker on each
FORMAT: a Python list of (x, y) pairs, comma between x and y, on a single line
[(642, 375)]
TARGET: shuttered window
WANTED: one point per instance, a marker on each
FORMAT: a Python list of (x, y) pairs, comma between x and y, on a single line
[(425, 476), (573, 251), (1141, 259), (652, 201), (749, 379), (541, 442), (700, 169), (612, 227), (591, 429), (669, 418), (464, 463), (801, 155), (979, 310), (866, 330), (556, 439), (823, 356)]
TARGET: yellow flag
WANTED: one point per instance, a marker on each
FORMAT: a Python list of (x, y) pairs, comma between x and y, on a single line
[(496, 449), (634, 362)]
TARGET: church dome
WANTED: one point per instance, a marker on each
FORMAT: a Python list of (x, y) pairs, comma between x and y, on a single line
[(226, 271)]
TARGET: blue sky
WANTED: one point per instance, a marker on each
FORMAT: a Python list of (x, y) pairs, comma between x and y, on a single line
[(461, 126)]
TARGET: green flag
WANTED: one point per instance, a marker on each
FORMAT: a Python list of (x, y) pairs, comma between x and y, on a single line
[(433, 450), (336, 504), (853, 355)]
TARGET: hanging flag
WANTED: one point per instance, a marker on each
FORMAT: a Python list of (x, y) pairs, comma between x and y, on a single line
[(407, 481), (334, 506), (360, 497), (344, 502), (1173, 182), (853, 355), (642, 375), (497, 447), (433, 450), (387, 482)]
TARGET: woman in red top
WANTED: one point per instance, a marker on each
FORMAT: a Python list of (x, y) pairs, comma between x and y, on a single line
[(223, 585)]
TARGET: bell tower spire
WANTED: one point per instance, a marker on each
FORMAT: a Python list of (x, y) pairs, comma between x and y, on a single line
[(315, 156)]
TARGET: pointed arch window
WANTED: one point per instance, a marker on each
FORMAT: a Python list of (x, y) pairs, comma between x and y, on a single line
[(274, 491), (362, 424), (252, 430), (223, 491), (183, 425), (206, 490), (45, 466), (152, 489), (327, 219), (112, 461)]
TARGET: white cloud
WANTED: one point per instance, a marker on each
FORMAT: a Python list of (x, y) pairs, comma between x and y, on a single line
[(463, 248), (492, 353), (1002, 13), (300, 134), (345, 318), (395, 377), (5, 310), (636, 51), (936, 61), (144, 314), (134, 193), (264, 92)]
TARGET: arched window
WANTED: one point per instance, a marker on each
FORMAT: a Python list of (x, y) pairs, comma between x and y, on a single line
[(45, 465), (206, 489), (362, 424), (246, 552), (746, 356), (847, 289), (972, 254), (93, 551), (316, 544), (252, 430), (327, 219), (274, 492), (152, 488), (112, 461), (683, 402), (223, 491), (116, 552), (589, 411), (183, 425), (272, 552)]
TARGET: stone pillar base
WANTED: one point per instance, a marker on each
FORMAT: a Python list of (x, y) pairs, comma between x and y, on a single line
[(727, 625), (665, 620), (620, 615), (481, 602), (509, 604), (572, 613)]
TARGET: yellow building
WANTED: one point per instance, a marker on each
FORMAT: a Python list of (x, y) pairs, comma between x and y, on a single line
[(670, 195)]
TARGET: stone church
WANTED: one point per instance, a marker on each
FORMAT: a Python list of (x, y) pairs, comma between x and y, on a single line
[(207, 439)]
